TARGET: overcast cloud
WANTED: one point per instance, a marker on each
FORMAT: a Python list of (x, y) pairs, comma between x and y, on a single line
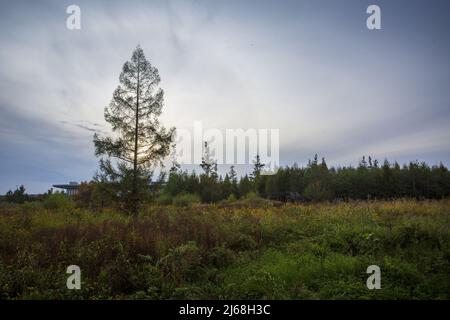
[(309, 68)]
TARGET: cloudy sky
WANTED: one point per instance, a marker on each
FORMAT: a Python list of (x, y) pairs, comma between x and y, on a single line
[(308, 68)]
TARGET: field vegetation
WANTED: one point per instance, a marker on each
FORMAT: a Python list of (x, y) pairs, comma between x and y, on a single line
[(249, 248)]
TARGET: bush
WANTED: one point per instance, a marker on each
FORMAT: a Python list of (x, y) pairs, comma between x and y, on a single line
[(243, 242), (186, 200), (182, 263), (254, 200), (59, 201), (220, 257), (164, 199)]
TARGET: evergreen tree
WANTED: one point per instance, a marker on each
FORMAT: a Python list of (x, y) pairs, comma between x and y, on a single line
[(141, 142), (258, 182), (234, 182), (257, 167), (245, 186), (208, 164)]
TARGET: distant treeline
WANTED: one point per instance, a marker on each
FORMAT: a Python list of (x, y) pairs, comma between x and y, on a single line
[(317, 181), (19, 195)]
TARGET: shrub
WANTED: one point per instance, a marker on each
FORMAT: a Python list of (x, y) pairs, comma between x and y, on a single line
[(220, 257), (59, 201), (186, 200), (187, 293), (243, 242), (164, 199), (182, 263), (84, 196), (260, 285), (254, 200)]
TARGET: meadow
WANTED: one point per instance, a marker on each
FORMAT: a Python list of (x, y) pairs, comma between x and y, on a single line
[(249, 249)]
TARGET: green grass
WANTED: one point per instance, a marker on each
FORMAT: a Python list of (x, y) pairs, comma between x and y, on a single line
[(229, 251)]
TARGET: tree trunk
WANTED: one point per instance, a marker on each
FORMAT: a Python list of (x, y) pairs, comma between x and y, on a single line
[(135, 197)]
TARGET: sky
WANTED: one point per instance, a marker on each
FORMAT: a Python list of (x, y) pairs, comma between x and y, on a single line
[(311, 69)]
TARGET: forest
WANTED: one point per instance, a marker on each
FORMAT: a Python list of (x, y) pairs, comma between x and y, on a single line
[(315, 182)]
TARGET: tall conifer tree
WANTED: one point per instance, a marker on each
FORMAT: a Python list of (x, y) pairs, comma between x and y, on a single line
[(140, 141)]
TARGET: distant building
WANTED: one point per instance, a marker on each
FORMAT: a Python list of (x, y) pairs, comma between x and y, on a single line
[(70, 189), (73, 187)]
